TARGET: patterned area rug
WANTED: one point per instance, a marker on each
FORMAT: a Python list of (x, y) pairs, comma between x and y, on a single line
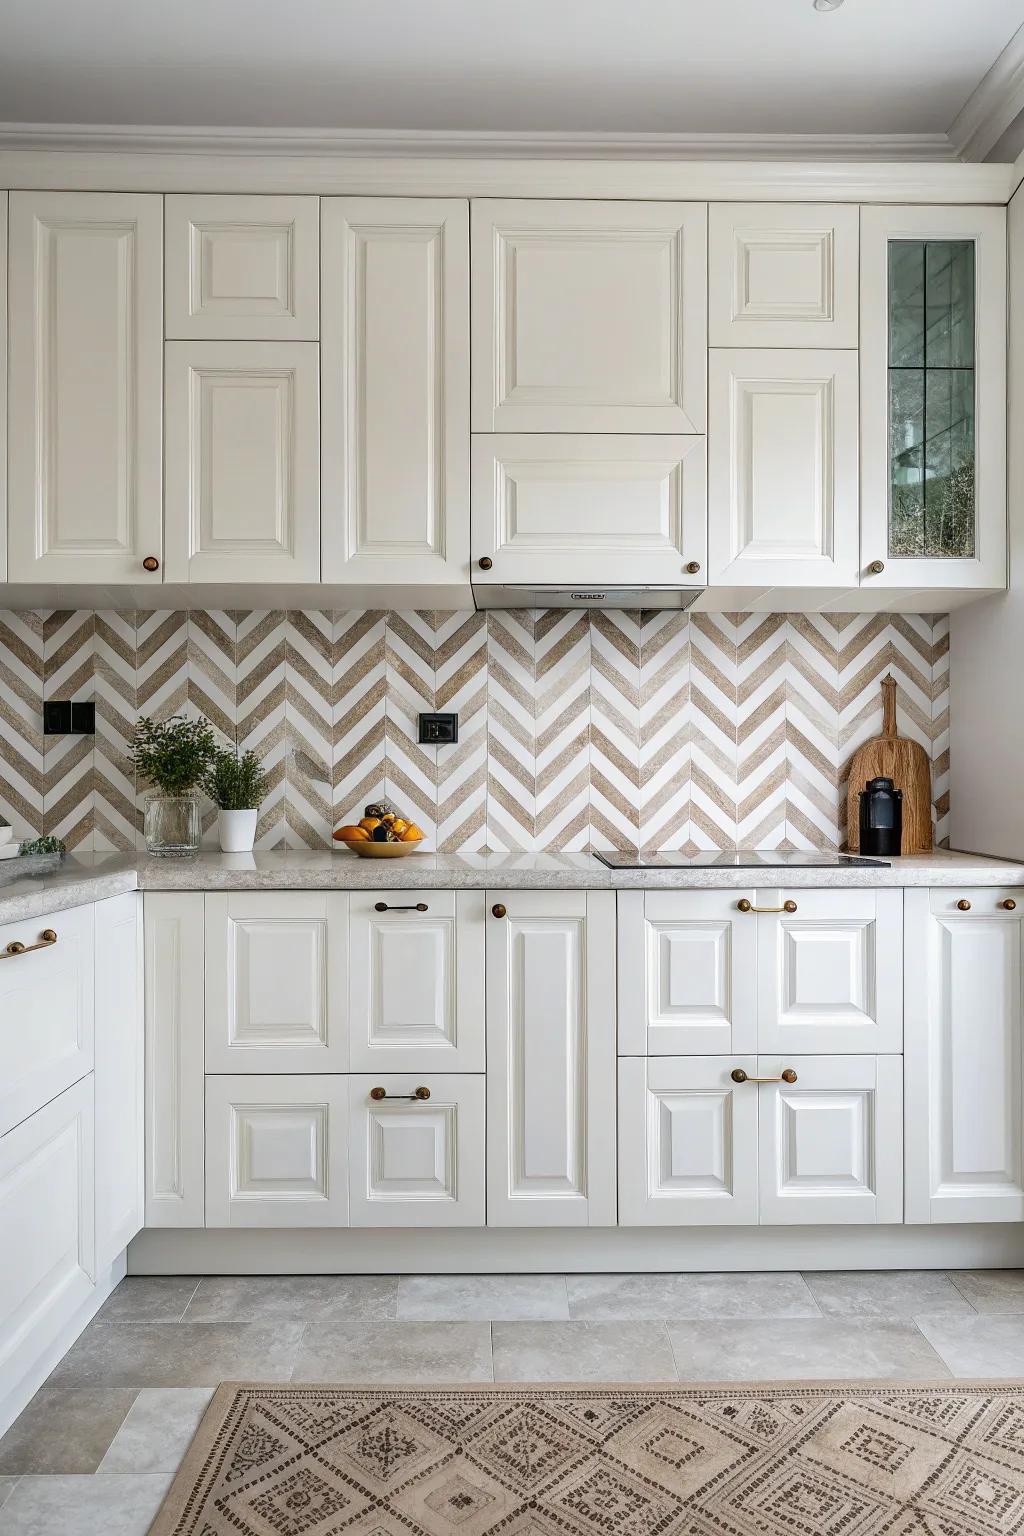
[(814, 1459)]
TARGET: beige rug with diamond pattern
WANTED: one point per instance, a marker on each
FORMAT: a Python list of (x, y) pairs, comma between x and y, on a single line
[(811, 1459)]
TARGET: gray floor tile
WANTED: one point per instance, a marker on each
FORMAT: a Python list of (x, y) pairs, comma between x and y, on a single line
[(795, 1348), (395, 1352), (481, 1298), (6, 1489), (158, 1430), (606, 1297), (83, 1506), (886, 1294), (179, 1354), (65, 1429), (582, 1352), (293, 1298), (978, 1346), (991, 1290), (149, 1299)]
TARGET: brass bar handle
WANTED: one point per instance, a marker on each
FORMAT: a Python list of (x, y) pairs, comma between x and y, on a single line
[(1009, 905), (417, 906), (410, 1098), (963, 905), (743, 905), (47, 938), (739, 1076), (498, 910)]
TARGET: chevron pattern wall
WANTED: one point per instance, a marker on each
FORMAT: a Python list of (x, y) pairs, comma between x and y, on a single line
[(575, 729)]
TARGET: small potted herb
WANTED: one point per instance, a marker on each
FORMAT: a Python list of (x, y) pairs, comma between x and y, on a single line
[(173, 755), (237, 785)]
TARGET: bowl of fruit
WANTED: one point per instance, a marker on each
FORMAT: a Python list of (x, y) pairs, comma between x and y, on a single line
[(381, 834)]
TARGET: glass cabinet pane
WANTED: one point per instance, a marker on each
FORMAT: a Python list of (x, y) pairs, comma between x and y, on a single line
[(931, 399)]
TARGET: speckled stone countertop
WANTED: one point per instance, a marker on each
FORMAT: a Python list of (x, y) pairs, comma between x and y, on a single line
[(93, 877)]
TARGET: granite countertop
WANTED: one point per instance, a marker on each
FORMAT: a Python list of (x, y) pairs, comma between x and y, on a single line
[(93, 877)]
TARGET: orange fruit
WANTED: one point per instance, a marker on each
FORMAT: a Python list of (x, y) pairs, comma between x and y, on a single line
[(397, 824), (369, 822), (352, 835), (412, 834)]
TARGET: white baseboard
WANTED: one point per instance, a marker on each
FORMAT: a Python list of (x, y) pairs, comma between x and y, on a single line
[(589, 1250), (52, 1351)]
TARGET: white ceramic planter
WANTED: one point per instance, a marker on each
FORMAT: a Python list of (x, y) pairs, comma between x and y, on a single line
[(236, 830)]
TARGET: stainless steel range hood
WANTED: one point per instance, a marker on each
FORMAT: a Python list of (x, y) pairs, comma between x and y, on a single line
[(494, 596)]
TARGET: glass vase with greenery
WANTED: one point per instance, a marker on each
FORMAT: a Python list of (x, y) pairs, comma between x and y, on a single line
[(173, 756), (237, 785)]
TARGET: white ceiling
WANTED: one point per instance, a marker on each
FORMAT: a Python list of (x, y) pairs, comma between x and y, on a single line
[(611, 66)]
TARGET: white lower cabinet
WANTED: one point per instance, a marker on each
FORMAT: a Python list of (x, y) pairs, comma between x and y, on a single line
[(277, 1151), (417, 1151), (120, 1165), (174, 964), (964, 1054)]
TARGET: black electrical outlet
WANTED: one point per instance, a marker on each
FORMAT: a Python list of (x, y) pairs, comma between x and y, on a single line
[(83, 719), (439, 730), (57, 717)]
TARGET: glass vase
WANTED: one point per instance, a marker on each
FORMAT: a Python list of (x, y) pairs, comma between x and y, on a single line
[(172, 827)]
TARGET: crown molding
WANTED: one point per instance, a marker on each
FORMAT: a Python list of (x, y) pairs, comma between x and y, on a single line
[(992, 106), (423, 144)]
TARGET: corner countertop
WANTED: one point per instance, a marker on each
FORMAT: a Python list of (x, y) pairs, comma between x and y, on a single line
[(93, 877)]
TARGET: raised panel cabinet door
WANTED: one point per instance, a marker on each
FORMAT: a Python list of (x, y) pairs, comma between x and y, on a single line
[(686, 973), (276, 981), (174, 964), (589, 316), (85, 467), (46, 1227), (395, 369), (830, 1142), (242, 268), (550, 1058), (783, 476), (119, 1077), (277, 1151), (415, 1161), (416, 981), (3, 384), (933, 397), (46, 1010), (687, 1142), (581, 511), (830, 971), (964, 1055), (243, 461), (783, 274)]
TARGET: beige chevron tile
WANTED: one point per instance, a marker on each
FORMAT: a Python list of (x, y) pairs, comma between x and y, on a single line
[(114, 646), (21, 722)]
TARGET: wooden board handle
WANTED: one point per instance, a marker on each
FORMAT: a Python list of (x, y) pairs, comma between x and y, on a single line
[(888, 705)]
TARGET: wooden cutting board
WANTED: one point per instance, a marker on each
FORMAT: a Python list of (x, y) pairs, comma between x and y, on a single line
[(905, 762)]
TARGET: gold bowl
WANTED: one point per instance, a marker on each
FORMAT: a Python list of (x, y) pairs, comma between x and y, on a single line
[(371, 850)]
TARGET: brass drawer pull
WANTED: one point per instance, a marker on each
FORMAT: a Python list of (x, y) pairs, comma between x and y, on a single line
[(739, 1076), (498, 910), (743, 905), (1009, 905), (417, 906), (411, 1098), (963, 905), (47, 938)]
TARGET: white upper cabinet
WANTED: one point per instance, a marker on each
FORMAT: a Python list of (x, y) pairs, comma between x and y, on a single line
[(782, 275), (964, 1055), (242, 268), (604, 510), (783, 501), (3, 384), (86, 333), (933, 397), (589, 316), (243, 461), (395, 390)]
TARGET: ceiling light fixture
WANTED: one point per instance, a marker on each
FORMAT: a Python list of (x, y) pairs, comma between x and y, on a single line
[(827, 5)]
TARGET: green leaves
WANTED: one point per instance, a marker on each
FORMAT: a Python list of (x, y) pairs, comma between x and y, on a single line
[(235, 783), (172, 754)]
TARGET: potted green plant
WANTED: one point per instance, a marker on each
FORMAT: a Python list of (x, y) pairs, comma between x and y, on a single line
[(237, 785), (173, 756)]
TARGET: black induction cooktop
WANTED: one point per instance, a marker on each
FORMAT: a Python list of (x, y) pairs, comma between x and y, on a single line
[(740, 858)]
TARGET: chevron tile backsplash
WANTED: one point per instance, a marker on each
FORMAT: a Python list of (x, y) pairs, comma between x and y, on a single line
[(602, 729)]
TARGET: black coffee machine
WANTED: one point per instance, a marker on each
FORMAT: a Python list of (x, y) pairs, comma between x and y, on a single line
[(881, 818)]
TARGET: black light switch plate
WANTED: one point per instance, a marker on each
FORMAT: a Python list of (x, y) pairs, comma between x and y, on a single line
[(439, 730), (83, 719), (63, 718)]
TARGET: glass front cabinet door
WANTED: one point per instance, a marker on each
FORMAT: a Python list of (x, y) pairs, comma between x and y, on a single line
[(933, 397)]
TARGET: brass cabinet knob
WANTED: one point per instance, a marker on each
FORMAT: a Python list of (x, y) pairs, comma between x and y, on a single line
[(1009, 905), (485, 562), (498, 910), (692, 567), (410, 1098), (151, 563), (876, 567), (743, 905), (963, 905)]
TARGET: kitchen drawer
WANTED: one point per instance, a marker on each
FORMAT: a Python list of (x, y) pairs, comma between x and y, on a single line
[(417, 1162), (46, 1011), (416, 981)]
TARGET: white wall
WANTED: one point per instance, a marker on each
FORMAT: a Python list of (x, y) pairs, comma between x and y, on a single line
[(987, 646)]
